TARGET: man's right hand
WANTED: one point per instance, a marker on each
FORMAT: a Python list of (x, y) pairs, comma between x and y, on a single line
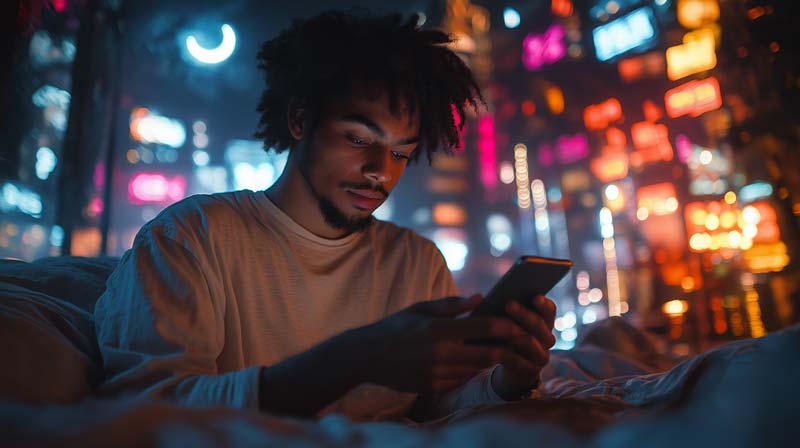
[(421, 348)]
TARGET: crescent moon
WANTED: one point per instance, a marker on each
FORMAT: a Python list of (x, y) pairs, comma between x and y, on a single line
[(213, 55)]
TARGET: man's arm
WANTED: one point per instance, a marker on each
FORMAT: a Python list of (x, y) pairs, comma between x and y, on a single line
[(305, 383)]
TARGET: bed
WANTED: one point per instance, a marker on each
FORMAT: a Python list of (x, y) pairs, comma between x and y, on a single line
[(745, 393)]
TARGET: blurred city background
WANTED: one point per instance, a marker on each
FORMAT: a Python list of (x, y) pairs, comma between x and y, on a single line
[(653, 142)]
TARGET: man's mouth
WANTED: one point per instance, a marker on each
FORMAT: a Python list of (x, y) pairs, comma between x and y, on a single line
[(365, 199)]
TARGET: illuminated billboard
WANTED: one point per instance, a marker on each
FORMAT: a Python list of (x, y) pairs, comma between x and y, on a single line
[(636, 30), (693, 98)]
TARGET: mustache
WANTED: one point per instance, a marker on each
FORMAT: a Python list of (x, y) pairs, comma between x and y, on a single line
[(366, 186)]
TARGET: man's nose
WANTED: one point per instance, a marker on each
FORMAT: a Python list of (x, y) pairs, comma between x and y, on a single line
[(377, 166)]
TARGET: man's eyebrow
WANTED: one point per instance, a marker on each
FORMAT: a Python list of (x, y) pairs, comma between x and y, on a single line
[(360, 119)]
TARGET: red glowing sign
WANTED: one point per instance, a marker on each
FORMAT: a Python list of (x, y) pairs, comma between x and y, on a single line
[(542, 49), (599, 116), (652, 142), (647, 65), (616, 139), (487, 147), (154, 187), (693, 98)]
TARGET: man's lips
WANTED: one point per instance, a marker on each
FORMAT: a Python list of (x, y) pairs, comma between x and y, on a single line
[(365, 199), (367, 193)]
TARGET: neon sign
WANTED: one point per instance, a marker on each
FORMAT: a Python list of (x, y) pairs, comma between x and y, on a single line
[(695, 55), (651, 141), (647, 65), (636, 30), (693, 98), (154, 187), (696, 13), (543, 49), (487, 147), (561, 8), (599, 116), (610, 167), (572, 148)]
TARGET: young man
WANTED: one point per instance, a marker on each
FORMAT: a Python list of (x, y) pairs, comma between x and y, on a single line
[(296, 300)]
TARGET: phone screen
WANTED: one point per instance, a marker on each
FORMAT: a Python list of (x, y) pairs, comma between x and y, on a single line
[(528, 277)]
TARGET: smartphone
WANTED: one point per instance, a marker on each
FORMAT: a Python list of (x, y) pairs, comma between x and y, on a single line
[(527, 278)]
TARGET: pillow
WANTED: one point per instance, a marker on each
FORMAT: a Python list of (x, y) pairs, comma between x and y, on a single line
[(48, 347), (77, 280)]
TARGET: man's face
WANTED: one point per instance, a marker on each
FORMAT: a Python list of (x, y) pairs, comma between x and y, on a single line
[(355, 157)]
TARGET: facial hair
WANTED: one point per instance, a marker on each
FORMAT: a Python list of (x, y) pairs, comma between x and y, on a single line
[(332, 215)]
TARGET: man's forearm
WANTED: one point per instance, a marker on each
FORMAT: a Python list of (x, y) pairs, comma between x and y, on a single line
[(307, 382)]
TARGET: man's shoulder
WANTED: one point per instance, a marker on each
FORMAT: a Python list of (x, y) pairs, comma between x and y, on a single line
[(198, 213)]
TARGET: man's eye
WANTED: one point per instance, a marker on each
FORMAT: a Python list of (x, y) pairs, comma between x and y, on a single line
[(400, 156), (356, 140)]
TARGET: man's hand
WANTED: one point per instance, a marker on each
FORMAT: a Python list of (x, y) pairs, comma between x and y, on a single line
[(422, 349), (519, 370)]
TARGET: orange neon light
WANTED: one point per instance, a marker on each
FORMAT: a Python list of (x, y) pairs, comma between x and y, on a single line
[(695, 55), (599, 116), (651, 141), (652, 113), (615, 138), (693, 98), (561, 8), (647, 65), (610, 167)]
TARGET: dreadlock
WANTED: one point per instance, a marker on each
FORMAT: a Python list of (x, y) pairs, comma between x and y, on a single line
[(334, 51)]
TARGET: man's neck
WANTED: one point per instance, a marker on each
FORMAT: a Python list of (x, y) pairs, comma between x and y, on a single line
[(294, 197)]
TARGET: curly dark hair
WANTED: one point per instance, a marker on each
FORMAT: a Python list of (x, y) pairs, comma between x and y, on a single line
[(335, 51)]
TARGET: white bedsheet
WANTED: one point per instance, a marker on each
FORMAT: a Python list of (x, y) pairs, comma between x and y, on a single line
[(741, 394)]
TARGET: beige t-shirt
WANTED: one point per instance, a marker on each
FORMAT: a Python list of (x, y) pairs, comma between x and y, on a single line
[(218, 286)]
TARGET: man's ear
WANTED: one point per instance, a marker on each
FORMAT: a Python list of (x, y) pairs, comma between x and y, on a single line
[(297, 118)]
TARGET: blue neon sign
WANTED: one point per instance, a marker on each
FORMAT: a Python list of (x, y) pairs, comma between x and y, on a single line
[(634, 31)]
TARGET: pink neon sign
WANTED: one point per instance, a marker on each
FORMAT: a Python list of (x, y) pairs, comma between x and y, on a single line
[(487, 147), (542, 49), (153, 187), (572, 148)]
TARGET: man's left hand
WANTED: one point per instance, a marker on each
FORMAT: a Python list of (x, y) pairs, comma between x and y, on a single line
[(519, 371)]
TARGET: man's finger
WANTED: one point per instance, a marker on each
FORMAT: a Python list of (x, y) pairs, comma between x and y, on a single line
[(546, 308), (532, 350), (532, 322), (477, 328), (449, 306)]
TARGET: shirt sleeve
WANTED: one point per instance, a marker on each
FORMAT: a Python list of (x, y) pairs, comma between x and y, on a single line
[(160, 328)]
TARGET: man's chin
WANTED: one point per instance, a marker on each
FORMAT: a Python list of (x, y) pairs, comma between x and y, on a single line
[(350, 222)]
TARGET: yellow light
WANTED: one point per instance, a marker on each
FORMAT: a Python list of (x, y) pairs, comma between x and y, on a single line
[(696, 13), (642, 213), (712, 222), (750, 231), (699, 217), (730, 198), (754, 313), (767, 257), (700, 242), (734, 239), (751, 215), (727, 219), (675, 307), (695, 55), (746, 244), (687, 283)]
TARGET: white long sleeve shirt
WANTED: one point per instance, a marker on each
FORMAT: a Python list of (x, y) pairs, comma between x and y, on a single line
[(219, 286)]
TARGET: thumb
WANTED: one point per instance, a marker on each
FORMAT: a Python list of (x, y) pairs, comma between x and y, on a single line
[(450, 306)]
